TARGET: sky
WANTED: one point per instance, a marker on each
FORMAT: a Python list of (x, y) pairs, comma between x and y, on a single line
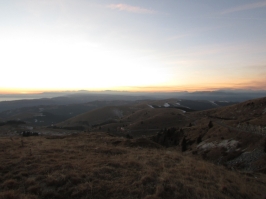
[(133, 45)]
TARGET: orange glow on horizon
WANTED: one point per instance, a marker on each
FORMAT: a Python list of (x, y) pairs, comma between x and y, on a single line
[(188, 88), (10, 91)]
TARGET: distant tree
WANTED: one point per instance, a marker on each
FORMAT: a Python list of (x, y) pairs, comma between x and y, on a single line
[(265, 145), (129, 136), (210, 125), (184, 144), (199, 139)]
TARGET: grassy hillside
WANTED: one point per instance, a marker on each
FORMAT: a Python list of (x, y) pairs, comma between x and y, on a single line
[(47, 115), (97, 165), (216, 153), (98, 116), (109, 112)]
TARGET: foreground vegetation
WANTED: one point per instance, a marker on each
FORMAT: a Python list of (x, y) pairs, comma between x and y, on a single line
[(98, 165)]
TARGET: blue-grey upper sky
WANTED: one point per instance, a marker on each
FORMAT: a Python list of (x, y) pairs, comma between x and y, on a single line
[(132, 45)]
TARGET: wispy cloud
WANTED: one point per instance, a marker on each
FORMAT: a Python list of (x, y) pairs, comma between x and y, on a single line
[(129, 8), (245, 7)]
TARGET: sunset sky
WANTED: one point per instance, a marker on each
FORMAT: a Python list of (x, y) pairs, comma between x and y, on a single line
[(134, 45)]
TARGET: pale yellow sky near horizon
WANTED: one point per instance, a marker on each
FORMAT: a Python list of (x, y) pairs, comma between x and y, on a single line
[(57, 45)]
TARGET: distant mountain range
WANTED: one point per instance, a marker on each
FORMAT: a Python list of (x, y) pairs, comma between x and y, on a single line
[(9, 102)]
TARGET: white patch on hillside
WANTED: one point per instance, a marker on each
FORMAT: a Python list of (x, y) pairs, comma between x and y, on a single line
[(166, 105), (179, 105), (39, 115), (186, 107), (150, 106), (206, 145), (230, 145), (213, 103), (118, 113)]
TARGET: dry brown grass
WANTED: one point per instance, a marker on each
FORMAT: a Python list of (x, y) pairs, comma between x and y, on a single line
[(95, 166)]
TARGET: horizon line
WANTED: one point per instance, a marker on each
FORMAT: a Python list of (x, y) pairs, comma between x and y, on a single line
[(128, 91)]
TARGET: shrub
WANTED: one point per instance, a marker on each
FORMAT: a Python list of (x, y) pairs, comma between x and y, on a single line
[(210, 125)]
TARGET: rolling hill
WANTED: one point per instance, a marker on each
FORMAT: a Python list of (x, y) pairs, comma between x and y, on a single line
[(46, 115), (160, 112), (147, 149), (221, 135)]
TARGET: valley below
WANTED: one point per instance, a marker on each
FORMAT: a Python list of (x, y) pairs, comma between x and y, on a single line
[(167, 148)]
